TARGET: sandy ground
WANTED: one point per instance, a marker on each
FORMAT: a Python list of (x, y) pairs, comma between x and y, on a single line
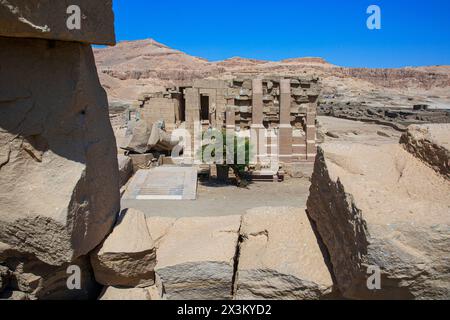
[(224, 200)]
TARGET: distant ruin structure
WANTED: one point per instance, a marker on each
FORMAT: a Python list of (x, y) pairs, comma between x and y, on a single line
[(284, 106)]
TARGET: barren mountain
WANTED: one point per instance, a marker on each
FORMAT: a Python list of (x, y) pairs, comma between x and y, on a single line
[(134, 67)]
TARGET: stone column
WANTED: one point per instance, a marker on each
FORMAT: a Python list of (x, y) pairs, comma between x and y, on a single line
[(285, 129), (311, 148), (257, 101), (231, 118), (193, 126), (257, 132), (192, 97)]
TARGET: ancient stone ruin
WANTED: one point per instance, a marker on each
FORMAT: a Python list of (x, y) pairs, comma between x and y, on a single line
[(286, 107)]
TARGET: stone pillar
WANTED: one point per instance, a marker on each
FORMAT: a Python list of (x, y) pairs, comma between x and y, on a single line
[(257, 132), (285, 129), (257, 101), (231, 118), (311, 148), (192, 97), (192, 113)]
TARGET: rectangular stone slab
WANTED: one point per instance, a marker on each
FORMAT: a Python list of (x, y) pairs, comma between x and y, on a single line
[(196, 256), (47, 19), (280, 258), (162, 183)]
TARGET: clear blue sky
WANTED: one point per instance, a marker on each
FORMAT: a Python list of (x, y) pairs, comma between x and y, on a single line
[(414, 32)]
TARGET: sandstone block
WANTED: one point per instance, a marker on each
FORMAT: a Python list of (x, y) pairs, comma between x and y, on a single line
[(380, 207), (430, 143), (125, 169), (141, 134), (196, 257), (47, 19), (59, 193), (127, 257), (280, 257), (128, 294)]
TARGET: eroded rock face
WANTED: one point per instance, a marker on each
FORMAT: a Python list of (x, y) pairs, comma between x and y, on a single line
[(196, 256), (378, 206), (47, 19), (430, 143), (58, 164), (128, 256), (280, 258)]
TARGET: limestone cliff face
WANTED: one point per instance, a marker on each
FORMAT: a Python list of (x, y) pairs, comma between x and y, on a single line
[(135, 67), (398, 78)]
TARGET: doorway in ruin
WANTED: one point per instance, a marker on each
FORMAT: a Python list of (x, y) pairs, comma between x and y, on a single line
[(204, 108), (182, 105)]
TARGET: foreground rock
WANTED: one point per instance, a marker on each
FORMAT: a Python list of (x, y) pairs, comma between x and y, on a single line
[(58, 169), (378, 206), (115, 293), (196, 256), (59, 179), (430, 143), (280, 257), (48, 20), (128, 256), (31, 279)]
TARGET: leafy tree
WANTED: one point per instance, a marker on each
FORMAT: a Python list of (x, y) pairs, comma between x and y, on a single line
[(228, 149)]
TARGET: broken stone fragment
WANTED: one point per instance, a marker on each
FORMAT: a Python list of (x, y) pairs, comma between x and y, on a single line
[(196, 257), (125, 169), (430, 143), (139, 140), (378, 208), (127, 257), (49, 19), (160, 140), (280, 258)]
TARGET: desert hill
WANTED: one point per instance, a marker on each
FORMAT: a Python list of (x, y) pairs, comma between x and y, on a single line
[(134, 67)]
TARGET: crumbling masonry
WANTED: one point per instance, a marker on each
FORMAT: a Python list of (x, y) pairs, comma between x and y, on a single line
[(286, 107)]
